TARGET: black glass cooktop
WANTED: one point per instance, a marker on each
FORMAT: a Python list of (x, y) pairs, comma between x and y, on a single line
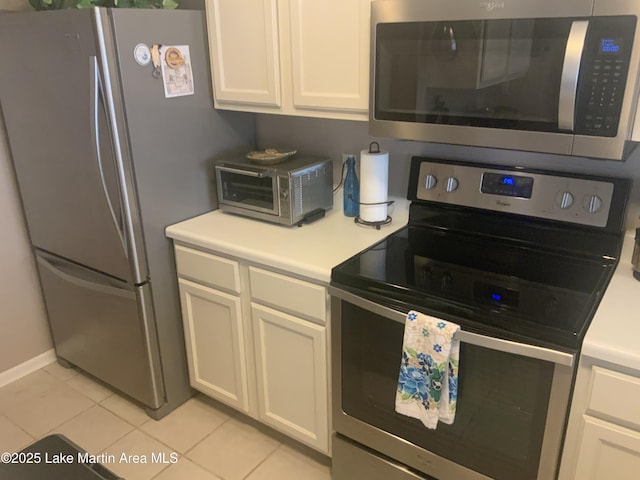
[(507, 289)]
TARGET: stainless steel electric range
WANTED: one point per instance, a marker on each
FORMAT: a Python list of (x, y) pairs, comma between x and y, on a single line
[(520, 259)]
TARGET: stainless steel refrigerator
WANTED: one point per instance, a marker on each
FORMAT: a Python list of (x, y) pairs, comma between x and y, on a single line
[(104, 162)]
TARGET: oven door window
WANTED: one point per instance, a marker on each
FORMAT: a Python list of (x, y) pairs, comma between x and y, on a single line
[(486, 73), (502, 399), (248, 191)]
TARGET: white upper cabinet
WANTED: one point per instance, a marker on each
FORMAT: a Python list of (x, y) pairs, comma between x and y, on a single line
[(294, 57), (243, 43), (330, 54)]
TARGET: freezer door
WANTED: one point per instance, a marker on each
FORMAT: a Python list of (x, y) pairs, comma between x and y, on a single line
[(103, 326), (53, 102)]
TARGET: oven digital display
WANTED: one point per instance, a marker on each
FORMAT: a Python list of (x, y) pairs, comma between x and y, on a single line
[(507, 185), (495, 295)]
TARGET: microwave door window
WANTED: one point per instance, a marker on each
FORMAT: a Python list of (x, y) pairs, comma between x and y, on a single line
[(493, 73)]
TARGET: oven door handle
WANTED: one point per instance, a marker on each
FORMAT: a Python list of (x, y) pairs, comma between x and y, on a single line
[(242, 171), (492, 343), (570, 75)]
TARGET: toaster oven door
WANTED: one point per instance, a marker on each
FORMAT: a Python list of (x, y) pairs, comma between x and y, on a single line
[(250, 189)]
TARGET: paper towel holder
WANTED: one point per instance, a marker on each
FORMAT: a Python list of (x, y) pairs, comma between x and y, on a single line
[(377, 225), (374, 147)]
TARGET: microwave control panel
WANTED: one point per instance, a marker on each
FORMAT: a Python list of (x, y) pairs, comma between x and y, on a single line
[(603, 74)]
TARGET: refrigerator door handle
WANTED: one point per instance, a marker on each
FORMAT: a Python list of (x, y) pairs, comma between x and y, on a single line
[(96, 97), (116, 124), (65, 274)]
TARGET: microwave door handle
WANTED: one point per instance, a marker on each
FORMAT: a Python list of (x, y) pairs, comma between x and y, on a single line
[(491, 343), (570, 74), (249, 173)]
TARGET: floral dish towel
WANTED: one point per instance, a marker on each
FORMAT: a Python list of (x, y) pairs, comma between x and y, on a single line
[(428, 380)]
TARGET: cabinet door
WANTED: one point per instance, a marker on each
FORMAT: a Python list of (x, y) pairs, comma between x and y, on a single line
[(330, 54), (291, 364), (243, 42), (608, 451), (215, 343)]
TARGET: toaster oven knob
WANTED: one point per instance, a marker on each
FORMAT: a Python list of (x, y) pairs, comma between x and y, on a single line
[(452, 184), (565, 200), (430, 182), (284, 194), (592, 203)]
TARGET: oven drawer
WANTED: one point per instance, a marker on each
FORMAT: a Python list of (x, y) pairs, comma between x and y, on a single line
[(615, 395), (351, 461), (208, 269), (289, 294)]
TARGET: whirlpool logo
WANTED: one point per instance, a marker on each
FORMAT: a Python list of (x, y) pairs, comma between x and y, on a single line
[(491, 6)]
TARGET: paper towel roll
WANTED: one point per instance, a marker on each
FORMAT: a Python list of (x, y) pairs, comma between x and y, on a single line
[(374, 181)]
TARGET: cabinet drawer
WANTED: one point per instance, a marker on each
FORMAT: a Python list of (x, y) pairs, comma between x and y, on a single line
[(289, 294), (208, 269), (615, 395)]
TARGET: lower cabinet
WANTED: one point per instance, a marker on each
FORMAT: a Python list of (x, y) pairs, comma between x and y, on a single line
[(608, 451), (291, 363), (257, 341), (603, 434), (215, 343)]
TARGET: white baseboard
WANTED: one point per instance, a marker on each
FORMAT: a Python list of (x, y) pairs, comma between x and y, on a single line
[(25, 368)]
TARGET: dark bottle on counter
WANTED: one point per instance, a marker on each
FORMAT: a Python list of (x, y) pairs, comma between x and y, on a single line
[(351, 189)]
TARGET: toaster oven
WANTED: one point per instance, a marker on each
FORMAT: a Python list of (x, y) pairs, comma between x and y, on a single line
[(295, 191)]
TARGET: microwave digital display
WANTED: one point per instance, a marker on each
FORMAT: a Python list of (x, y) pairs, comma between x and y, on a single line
[(611, 46)]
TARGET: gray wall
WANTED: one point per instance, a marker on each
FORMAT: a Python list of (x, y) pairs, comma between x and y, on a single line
[(335, 137), (23, 322)]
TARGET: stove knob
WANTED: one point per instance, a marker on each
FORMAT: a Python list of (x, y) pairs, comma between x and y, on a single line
[(430, 182), (566, 200), (446, 281), (452, 184), (592, 203)]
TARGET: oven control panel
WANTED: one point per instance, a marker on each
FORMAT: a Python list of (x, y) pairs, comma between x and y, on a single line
[(583, 201)]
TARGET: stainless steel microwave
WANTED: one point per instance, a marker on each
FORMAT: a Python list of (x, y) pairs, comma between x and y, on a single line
[(297, 190), (554, 76)]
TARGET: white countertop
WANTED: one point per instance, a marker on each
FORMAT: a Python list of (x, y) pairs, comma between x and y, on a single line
[(614, 333), (310, 251)]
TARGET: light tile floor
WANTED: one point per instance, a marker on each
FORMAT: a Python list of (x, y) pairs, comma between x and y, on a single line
[(200, 440)]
